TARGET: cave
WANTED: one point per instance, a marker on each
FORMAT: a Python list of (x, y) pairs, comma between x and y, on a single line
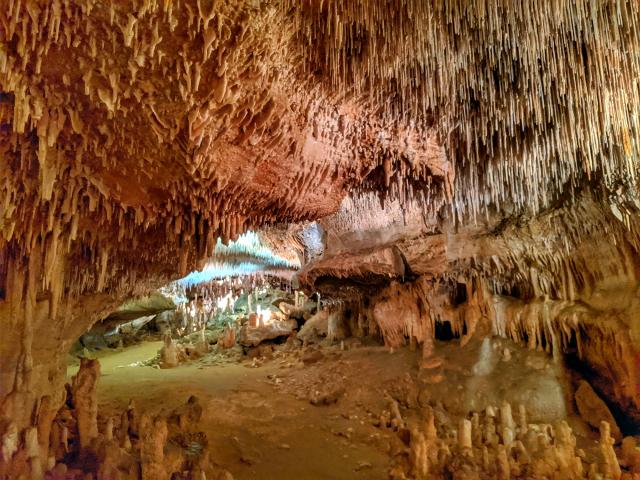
[(302, 239)]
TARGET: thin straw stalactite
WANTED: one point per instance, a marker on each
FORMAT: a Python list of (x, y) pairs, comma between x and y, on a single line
[(541, 97)]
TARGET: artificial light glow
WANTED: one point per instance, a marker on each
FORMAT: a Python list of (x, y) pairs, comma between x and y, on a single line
[(224, 301), (267, 314), (245, 256)]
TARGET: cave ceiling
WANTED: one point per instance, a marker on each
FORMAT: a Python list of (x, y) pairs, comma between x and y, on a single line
[(135, 134)]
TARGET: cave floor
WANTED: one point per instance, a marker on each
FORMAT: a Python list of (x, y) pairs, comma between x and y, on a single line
[(254, 430), (261, 423)]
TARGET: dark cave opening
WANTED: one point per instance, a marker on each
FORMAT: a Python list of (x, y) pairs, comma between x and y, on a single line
[(444, 331), (627, 418)]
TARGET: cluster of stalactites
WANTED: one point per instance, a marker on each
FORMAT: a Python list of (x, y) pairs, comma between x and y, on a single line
[(205, 300), (363, 212), (566, 241), (251, 246), (82, 192), (64, 229), (531, 100)]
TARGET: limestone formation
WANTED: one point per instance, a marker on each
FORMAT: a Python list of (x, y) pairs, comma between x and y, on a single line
[(228, 339), (153, 434), (315, 328), (435, 451), (85, 401), (169, 353), (631, 454), (253, 336), (609, 462), (594, 410), (419, 170)]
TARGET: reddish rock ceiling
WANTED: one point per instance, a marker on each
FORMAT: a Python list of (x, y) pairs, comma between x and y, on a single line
[(170, 123), (138, 132)]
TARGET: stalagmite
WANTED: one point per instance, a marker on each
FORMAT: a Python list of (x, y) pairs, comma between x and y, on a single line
[(45, 418), (10, 441), (610, 465), (506, 418), (123, 432), (32, 448), (503, 467), (570, 465), (464, 434), (64, 438), (108, 432), (153, 435), (419, 455), (523, 426), (169, 353), (85, 400), (396, 417)]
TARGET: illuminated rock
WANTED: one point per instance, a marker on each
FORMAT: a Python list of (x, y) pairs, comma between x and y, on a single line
[(253, 336)]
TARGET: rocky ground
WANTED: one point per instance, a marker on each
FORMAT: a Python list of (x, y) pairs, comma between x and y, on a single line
[(350, 410)]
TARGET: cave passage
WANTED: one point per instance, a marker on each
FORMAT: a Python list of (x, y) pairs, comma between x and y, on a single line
[(336, 239), (251, 368)]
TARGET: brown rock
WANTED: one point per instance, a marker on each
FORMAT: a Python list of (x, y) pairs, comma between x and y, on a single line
[(631, 454), (85, 400), (326, 396), (265, 350), (291, 310), (253, 336), (312, 356), (593, 409), (60, 470), (317, 326), (424, 397)]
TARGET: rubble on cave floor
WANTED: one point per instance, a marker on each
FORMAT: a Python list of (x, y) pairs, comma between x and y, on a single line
[(269, 377), (490, 409), (217, 317)]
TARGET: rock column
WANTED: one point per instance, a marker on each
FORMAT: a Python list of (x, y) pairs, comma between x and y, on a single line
[(85, 400)]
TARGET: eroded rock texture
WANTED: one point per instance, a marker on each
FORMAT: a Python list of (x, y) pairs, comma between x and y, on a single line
[(564, 281), (489, 151)]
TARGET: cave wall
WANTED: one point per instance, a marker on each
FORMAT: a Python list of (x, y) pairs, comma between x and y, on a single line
[(565, 282), (133, 135)]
